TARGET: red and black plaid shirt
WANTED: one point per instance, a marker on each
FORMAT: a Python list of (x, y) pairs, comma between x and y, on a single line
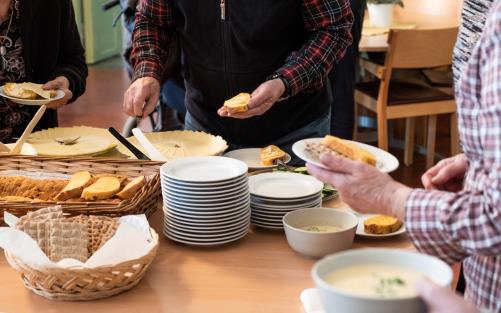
[(328, 23)]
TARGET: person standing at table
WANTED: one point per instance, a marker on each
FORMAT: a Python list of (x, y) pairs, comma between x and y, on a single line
[(39, 42), (279, 50), (459, 217), (343, 79)]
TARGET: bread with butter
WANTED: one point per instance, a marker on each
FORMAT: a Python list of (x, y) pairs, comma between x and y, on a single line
[(270, 154), (382, 224), (349, 150), (238, 104)]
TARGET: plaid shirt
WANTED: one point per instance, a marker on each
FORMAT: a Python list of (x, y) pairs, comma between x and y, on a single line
[(328, 22), (466, 226)]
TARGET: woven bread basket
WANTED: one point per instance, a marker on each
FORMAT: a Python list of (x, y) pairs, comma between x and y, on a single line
[(84, 284), (143, 202)]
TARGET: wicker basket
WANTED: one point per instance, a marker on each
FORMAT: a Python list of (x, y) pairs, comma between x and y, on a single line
[(84, 284), (144, 202)]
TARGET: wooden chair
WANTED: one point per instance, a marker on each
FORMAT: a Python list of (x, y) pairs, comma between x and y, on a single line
[(410, 49)]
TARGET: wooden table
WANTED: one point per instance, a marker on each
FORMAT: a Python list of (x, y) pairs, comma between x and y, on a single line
[(259, 273), (379, 43)]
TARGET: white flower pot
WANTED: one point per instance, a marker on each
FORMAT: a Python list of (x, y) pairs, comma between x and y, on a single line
[(381, 15)]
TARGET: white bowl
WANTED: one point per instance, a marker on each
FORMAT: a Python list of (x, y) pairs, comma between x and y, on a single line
[(314, 244), (336, 300)]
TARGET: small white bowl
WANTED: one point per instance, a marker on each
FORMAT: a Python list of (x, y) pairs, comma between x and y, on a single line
[(316, 244), (336, 300)]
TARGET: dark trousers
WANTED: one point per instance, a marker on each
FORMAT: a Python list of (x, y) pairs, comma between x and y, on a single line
[(343, 79)]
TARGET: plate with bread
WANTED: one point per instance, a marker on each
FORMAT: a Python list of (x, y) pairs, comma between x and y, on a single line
[(378, 226), (310, 150), (30, 93), (260, 158)]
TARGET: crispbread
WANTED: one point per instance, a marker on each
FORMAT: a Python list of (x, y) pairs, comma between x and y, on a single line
[(99, 229), (67, 240)]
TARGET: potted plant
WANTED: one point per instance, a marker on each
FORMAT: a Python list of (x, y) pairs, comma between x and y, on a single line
[(381, 11)]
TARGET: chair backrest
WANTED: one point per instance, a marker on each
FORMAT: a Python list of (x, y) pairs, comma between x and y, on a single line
[(421, 48)]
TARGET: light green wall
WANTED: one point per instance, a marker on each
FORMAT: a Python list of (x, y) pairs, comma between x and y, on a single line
[(101, 39)]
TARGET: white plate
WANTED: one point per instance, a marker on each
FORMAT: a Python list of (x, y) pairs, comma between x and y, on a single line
[(385, 161), (205, 193), (207, 204), (206, 244), (197, 239), (360, 228), (59, 96), (265, 201), (265, 224), (206, 214), (269, 227), (212, 236), (200, 207), (204, 169), (259, 219), (284, 185), (223, 199), (207, 230), (313, 204), (207, 224), (250, 156), (27, 149), (202, 185), (231, 216)]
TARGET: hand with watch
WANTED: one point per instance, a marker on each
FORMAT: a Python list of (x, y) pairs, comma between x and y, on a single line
[(273, 90)]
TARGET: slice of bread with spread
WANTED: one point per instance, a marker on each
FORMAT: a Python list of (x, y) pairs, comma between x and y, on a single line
[(381, 225), (270, 154), (238, 104), (349, 150), (28, 91)]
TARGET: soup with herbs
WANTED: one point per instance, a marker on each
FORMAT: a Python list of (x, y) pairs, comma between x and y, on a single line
[(376, 281), (322, 229)]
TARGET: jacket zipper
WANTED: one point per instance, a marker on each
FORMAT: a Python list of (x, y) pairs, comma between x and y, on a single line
[(226, 50)]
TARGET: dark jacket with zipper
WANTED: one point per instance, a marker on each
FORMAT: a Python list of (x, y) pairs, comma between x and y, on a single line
[(222, 58), (52, 47)]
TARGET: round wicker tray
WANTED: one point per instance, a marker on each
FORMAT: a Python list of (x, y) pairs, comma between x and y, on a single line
[(84, 284)]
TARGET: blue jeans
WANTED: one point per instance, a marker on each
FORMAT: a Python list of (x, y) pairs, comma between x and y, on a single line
[(318, 128)]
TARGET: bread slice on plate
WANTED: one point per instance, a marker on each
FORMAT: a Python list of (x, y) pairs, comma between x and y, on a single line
[(103, 188), (238, 104), (28, 91), (75, 186), (131, 188), (349, 150), (270, 154), (381, 225)]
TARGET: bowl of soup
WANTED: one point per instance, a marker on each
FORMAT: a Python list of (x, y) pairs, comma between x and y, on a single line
[(376, 280), (317, 232)]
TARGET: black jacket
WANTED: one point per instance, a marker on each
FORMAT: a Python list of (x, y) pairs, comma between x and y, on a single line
[(224, 58), (52, 47)]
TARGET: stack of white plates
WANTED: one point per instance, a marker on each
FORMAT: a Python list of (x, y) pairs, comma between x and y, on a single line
[(275, 194), (206, 200)]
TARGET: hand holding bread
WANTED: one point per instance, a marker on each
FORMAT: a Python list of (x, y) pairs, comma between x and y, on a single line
[(259, 102), (62, 83)]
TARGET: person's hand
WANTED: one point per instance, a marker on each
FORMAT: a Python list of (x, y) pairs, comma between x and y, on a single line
[(141, 97), (262, 99), (363, 187), (442, 300), (63, 84), (447, 175)]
